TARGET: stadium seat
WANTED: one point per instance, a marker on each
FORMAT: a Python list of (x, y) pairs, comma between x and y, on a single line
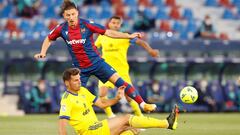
[(25, 25), (6, 11), (130, 3), (105, 4), (211, 3), (174, 13), (117, 2), (92, 13), (171, 3), (191, 26), (161, 14), (105, 13), (165, 26), (187, 14), (177, 27), (225, 3), (236, 3), (145, 3), (228, 14), (119, 10), (39, 26), (11, 25), (158, 3), (132, 13), (50, 12), (148, 13)]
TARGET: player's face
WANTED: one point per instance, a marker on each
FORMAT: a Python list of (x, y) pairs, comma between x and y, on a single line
[(115, 24), (71, 16), (74, 83)]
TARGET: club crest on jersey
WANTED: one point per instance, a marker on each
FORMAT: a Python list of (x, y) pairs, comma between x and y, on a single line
[(83, 30)]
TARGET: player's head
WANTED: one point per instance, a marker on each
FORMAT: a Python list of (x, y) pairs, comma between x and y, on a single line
[(71, 78), (115, 23), (70, 13)]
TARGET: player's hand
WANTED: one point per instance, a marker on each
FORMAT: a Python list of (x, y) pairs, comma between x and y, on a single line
[(136, 34), (154, 53), (39, 56), (120, 92)]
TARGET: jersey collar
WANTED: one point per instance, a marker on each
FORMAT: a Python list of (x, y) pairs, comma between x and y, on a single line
[(71, 93)]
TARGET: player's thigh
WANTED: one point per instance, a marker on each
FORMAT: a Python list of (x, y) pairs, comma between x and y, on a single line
[(104, 72), (99, 128), (84, 79), (118, 123)]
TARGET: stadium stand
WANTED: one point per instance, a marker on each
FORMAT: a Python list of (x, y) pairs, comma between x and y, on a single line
[(181, 55)]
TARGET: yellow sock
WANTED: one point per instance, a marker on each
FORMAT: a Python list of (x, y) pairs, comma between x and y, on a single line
[(108, 110), (135, 108), (147, 122), (127, 132)]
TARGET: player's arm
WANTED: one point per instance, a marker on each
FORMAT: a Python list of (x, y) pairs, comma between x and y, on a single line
[(147, 47), (52, 36), (62, 125), (46, 44), (103, 103), (117, 34)]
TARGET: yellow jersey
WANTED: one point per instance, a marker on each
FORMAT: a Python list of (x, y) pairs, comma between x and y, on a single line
[(77, 108), (114, 51)]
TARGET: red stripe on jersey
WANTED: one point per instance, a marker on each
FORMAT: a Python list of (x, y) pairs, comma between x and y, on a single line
[(78, 49), (55, 33), (95, 29)]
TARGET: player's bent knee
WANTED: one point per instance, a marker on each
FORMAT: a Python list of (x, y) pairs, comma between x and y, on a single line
[(126, 118)]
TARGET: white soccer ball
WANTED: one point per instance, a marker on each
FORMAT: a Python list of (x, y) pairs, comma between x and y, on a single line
[(189, 95)]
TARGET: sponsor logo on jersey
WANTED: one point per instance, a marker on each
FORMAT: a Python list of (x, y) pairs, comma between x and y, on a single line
[(79, 41)]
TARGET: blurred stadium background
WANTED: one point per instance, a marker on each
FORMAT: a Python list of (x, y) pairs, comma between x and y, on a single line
[(211, 64)]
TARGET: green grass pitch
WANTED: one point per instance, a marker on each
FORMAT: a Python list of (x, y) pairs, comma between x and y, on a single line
[(189, 124)]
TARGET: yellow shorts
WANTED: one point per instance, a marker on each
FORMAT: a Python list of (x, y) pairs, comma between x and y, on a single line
[(99, 128), (108, 84)]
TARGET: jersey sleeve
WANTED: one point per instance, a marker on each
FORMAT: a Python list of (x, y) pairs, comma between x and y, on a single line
[(55, 33), (65, 109), (98, 41), (95, 28), (90, 97)]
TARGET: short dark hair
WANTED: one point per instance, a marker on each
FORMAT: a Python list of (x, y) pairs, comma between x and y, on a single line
[(115, 17), (67, 4), (69, 72)]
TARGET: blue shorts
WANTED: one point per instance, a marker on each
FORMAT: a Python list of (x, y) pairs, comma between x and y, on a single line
[(102, 71)]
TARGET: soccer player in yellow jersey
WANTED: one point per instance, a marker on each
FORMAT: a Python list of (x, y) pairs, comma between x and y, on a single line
[(76, 109), (114, 51)]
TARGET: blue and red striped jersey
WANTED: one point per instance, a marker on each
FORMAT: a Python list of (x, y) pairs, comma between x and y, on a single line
[(79, 41)]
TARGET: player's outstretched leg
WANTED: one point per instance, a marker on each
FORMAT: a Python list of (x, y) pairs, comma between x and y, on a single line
[(119, 124), (147, 122), (133, 93), (134, 105)]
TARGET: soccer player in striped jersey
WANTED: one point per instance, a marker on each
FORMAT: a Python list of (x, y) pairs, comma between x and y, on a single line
[(78, 35), (114, 52)]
